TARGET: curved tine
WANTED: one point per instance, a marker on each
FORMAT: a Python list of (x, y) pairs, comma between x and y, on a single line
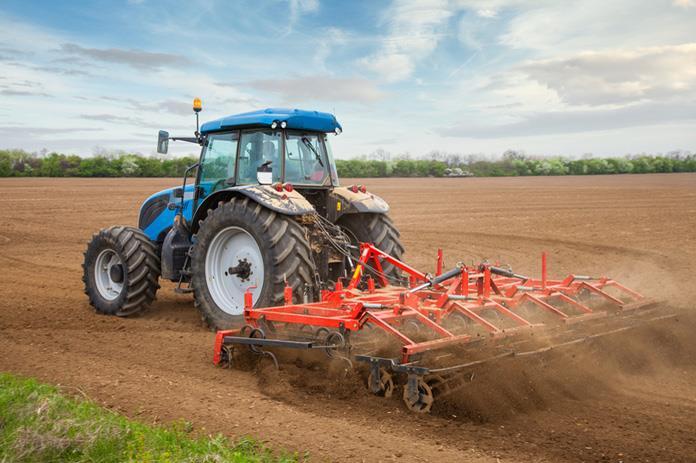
[(426, 399), (273, 357), (346, 359)]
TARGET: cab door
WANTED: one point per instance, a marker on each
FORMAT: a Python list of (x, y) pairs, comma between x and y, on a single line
[(218, 163)]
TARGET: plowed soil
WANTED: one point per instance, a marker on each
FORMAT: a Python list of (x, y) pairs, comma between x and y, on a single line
[(631, 397)]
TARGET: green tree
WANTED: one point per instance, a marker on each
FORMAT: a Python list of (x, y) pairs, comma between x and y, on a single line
[(5, 164), (52, 165)]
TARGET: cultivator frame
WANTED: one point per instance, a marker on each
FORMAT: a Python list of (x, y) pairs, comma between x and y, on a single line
[(460, 307)]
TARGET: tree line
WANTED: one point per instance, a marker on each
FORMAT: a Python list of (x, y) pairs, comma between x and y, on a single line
[(18, 163)]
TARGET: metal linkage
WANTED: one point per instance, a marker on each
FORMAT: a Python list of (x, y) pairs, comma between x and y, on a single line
[(457, 307)]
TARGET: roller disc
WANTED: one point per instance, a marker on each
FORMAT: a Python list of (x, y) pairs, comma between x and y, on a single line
[(386, 383), (424, 400)]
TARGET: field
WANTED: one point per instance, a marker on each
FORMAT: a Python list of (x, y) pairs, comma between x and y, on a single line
[(629, 398)]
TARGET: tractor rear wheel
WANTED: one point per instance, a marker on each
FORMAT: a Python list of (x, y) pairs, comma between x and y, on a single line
[(242, 246), (379, 230), (121, 270)]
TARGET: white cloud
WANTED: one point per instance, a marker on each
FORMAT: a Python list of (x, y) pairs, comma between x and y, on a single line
[(619, 76), (578, 121), (684, 3), (414, 30), (139, 59), (303, 6), (298, 8), (553, 28), (321, 88), (487, 13), (331, 38)]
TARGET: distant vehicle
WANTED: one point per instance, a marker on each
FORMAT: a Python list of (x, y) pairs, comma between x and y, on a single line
[(457, 172)]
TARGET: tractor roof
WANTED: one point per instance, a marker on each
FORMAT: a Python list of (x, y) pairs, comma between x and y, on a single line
[(295, 118)]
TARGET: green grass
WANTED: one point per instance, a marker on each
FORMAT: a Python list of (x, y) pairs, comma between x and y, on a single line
[(40, 424)]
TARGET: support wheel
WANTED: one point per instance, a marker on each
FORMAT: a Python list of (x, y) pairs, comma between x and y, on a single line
[(120, 271), (421, 399)]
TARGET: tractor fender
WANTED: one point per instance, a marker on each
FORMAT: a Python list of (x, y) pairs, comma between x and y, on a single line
[(284, 202), (346, 201)]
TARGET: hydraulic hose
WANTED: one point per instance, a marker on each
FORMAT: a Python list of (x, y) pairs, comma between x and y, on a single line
[(437, 280), (506, 273)]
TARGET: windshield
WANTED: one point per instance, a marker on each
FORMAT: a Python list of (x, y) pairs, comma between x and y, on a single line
[(306, 162), (332, 164)]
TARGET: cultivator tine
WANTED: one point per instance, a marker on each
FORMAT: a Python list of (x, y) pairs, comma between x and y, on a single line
[(510, 314), (545, 305), (577, 304), (604, 294), (480, 320), (452, 313)]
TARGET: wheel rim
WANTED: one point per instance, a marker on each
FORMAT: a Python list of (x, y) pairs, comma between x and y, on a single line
[(233, 248), (109, 274)]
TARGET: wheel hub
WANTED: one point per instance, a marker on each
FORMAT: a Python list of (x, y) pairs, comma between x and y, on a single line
[(109, 274), (242, 270), (116, 273)]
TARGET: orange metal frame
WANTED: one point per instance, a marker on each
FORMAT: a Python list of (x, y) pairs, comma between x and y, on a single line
[(470, 293)]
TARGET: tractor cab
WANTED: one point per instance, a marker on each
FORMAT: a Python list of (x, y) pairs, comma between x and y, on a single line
[(265, 156), (286, 148)]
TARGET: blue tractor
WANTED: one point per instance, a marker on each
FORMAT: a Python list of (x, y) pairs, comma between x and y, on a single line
[(265, 211)]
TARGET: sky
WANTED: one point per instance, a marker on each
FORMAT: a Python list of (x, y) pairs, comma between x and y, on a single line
[(459, 76)]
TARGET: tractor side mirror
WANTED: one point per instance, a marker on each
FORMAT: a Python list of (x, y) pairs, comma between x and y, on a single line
[(163, 142)]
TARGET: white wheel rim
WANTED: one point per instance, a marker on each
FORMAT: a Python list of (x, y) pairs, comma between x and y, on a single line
[(106, 286), (230, 247)]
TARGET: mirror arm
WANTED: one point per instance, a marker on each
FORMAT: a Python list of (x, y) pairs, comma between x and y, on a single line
[(187, 139)]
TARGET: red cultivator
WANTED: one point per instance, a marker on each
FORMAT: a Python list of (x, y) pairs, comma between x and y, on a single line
[(420, 332)]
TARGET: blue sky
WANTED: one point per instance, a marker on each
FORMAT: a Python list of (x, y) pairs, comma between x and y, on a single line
[(460, 76)]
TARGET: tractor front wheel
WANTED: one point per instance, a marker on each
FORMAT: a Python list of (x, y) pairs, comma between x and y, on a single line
[(243, 247), (120, 271)]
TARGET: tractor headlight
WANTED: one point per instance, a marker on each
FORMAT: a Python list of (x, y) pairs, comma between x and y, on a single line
[(338, 131), (283, 124), (274, 124)]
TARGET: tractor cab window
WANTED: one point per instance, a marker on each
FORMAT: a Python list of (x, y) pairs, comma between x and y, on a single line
[(218, 161), (257, 148), (306, 162), (332, 164)]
